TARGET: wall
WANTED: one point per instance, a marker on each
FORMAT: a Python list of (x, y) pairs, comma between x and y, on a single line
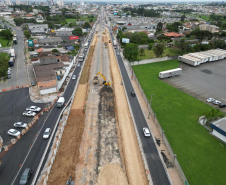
[(153, 60), (47, 84), (47, 91)]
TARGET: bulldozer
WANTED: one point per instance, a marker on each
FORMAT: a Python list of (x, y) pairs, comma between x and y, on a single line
[(96, 80)]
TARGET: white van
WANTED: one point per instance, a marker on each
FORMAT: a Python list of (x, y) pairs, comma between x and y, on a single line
[(60, 102)]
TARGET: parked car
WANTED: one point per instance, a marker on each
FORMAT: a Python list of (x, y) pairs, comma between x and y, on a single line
[(146, 132), (133, 94), (216, 102), (29, 113), (8, 72), (47, 133), (210, 100), (20, 125), (34, 108), (74, 77), (33, 83), (25, 176), (78, 65), (222, 105), (8, 76), (13, 132)]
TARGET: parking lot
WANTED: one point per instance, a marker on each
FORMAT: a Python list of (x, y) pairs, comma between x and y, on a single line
[(13, 104), (204, 81)]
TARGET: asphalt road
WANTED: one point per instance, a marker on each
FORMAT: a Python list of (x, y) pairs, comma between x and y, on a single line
[(18, 71), (31, 158), (155, 165)]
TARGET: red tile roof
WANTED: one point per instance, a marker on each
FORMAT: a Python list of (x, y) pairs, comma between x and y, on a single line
[(173, 34)]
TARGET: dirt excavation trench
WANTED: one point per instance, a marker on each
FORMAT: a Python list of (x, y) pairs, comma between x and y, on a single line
[(99, 144)]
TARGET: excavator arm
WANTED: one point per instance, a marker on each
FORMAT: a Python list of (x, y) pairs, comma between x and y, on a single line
[(101, 75), (105, 83)]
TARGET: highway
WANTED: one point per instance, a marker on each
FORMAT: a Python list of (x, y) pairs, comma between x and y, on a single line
[(10, 169), (157, 171)]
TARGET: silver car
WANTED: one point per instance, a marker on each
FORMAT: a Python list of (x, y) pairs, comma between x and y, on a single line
[(13, 132), (20, 125)]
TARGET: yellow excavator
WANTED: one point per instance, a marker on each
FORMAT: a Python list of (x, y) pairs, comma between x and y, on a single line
[(96, 80)]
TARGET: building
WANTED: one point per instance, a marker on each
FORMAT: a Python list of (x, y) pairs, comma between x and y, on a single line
[(60, 3), (210, 28), (50, 41), (46, 73), (219, 129), (38, 26)]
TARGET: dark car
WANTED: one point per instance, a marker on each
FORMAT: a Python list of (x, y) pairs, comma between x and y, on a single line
[(33, 83), (8, 76), (222, 105), (25, 176), (133, 93)]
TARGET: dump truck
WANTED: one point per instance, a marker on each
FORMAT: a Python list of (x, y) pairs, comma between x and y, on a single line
[(170, 73), (96, 80)]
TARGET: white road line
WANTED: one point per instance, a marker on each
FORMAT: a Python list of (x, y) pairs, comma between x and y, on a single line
[(32, 146)]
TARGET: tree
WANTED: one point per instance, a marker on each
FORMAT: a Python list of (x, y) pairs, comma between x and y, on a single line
[(150, 46), (202, 35), (219, 44), (27, 34), (159, 47), (86, 25), (3, 66), (164, 38), (150, 41), (131, 51), (216, 35), (55, 50), (159, 27), (182, 18), (90, 20), (7, 34), (184, 46), (141, 51), (77, 32), (124, 28)]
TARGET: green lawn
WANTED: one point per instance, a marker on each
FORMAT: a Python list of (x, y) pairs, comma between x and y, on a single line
[(168, 52), (4, 42), (80, 19), (201, 156), (207, 18)]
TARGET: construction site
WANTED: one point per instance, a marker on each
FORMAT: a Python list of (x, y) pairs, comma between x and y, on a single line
[(99, 144)]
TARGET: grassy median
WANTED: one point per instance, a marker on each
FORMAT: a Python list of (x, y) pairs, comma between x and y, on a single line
[(201, 156)]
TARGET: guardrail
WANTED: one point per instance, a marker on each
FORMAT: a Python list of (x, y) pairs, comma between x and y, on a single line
[(54, 152)]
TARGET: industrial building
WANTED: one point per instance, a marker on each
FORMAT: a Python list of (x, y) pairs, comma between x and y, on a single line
[(198, 58), (219, 129)]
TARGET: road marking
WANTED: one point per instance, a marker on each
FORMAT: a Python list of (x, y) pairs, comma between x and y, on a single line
[(32, 145), (223, 99)]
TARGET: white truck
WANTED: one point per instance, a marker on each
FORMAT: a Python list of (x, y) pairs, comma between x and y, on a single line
[(81, 58), (170, 73), (86, 46), (60, 102), (115, 44)]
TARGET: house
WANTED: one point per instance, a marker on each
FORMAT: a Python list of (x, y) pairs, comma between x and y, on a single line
[(219, 129), (173, 34), (38, 26), (210, 28), (46, 73), (50, 41)]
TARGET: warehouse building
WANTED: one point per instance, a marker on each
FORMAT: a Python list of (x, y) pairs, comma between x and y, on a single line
[(198, 58), (219, 129)]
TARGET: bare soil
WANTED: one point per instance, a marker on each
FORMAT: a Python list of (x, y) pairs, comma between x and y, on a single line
[(112, 174), (79, 101), (68, 153), (133, 161)]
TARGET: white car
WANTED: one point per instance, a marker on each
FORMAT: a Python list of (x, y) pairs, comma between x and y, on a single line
[(216, 102), (210, 100), (34, 109), (13, 132), (29, 113), (20, 125), (73, 77), (146, 132), (9, 69), (47, 133)]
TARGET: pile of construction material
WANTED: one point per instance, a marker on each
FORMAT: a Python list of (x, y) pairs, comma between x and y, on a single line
[(198, 58)]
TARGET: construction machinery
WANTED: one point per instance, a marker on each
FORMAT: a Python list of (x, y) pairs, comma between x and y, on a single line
[(106, 44), (96, 80)]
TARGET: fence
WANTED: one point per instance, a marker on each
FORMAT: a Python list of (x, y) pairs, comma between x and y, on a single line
[(153, 60), (67, 72), (165, 140)]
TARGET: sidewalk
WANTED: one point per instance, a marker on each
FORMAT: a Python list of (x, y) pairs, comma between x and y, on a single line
[(174, 174)]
